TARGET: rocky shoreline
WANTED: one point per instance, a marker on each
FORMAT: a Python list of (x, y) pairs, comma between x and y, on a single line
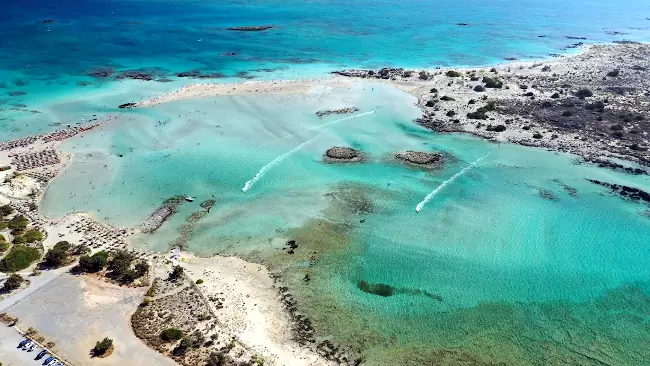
[(594, 104)]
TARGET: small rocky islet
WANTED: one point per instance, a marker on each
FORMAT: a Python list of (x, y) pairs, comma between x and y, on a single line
[(338, 154), (420, 159), (328, 112)]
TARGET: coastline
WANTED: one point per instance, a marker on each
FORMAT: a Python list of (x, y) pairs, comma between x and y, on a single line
[(265, 326), (523, 82), (251, 313)]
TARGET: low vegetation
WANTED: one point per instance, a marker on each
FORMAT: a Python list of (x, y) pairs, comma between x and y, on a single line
[(102, 347), (29, 236), (19, 258), (120, 269), (453, 74), (59, 255), (12, 282), (492, 83), (171, 334), (481, 113), (93, 263), (19, 222), (176, 273), (6, 210)]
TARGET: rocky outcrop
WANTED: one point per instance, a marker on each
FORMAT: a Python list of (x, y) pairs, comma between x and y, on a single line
[(342, 155), (198, 74), (101, 73), (337, 111), (420, 159), (258, 28), (631, 193), (162, 213), (385, 73), (127, 105), (138, 75)]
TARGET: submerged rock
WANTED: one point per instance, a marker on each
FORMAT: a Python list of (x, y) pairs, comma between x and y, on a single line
[(546, 194), (337, 111), (378, 289), (101, 73), (127, 105), (342, 155), (420, 159), (631, 193), (198, 74), (257, 28), (136, 75)]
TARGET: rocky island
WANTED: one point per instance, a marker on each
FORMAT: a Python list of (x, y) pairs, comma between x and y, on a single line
[(420, 159), (342, 155)]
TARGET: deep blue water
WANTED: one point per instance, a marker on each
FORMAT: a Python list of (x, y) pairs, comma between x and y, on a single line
[(46, 60), (186, 34)]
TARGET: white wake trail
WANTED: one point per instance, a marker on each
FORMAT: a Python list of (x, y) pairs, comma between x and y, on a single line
[(433, 193), (275, 161)]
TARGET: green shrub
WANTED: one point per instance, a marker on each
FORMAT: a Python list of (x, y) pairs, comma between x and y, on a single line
[(199, 281), (176, 273), (584, 93), (477, 115), (102, 346), (142, 268), (17, 223), (4, 225), (453, 74), (492, 83), (59, 254), (33, 235), (94, 263), (447, 98), (479, 88), (6, 210), (3, 246), (19, 258), (81, 249), (12, 283), (120, 264), (171, 334), (497, 128)]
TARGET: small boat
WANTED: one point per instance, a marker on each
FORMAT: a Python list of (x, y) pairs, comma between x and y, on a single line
[(189, 199)]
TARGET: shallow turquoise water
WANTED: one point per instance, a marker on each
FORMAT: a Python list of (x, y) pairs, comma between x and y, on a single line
[(487, 250), (487, 272)]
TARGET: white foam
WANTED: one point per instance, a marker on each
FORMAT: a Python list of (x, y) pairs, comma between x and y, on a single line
[(433, 193), (275, 161)]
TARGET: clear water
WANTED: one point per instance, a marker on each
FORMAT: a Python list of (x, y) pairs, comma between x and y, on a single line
[(488, 268), (487, 272), (50, 61)]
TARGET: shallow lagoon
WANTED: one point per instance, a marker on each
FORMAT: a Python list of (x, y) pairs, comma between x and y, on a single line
[(519, 259)]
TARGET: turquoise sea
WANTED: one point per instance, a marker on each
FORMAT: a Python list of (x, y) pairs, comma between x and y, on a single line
[(516, 260)]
